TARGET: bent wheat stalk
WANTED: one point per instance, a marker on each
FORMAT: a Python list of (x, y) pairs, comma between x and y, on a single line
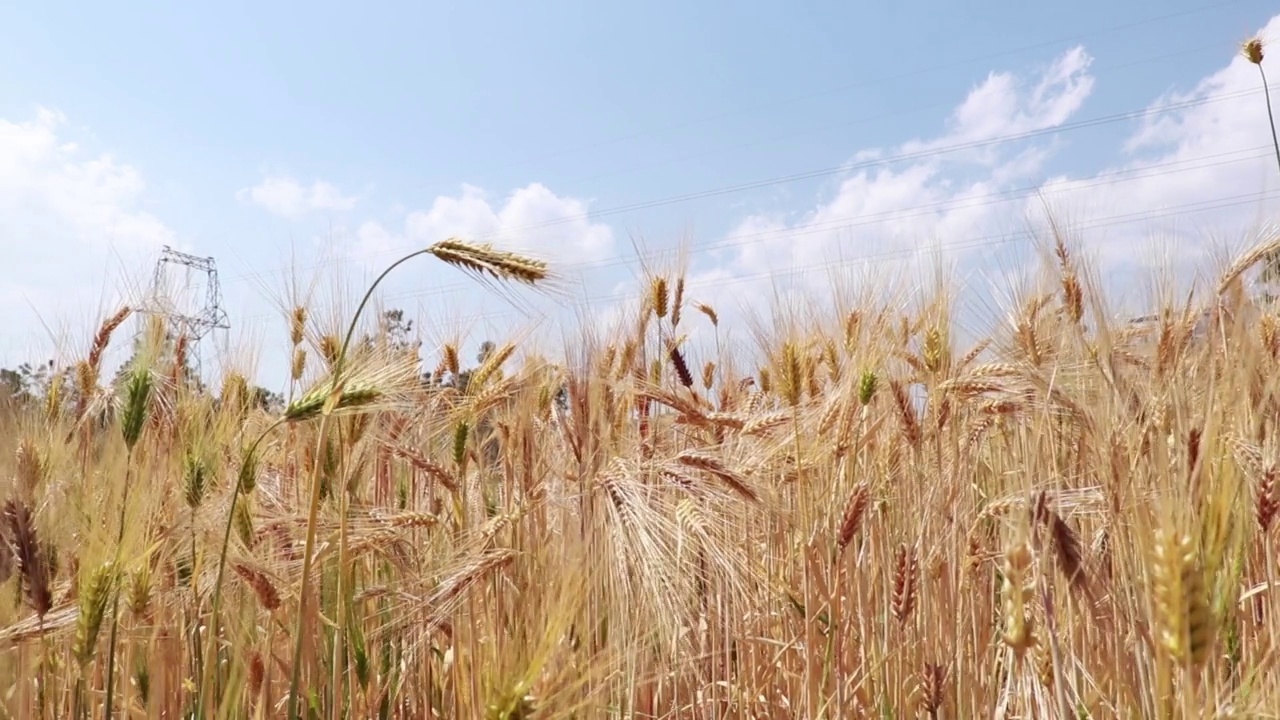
[(479, 260)]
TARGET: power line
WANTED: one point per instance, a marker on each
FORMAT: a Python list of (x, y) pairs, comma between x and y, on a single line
[(1146, 60), (844, 168), (861, 220), (951, 204), (901, 157), (971, 243)]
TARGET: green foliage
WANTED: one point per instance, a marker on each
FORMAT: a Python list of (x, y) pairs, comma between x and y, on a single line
[(30, 383)]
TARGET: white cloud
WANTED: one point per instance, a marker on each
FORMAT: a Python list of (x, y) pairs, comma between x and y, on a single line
[(1002, 106), (49, 195), (286, 197), (1201, 157), (532, 219), (897, 207), (66, 218), (1207, 149)]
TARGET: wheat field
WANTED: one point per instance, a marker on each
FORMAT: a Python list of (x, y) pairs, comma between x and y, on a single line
[(1074, 517)]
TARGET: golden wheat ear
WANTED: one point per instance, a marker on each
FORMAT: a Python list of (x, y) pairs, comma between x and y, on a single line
[(1260, 251), (1182, 605), (483, 260), (498, 270), (1251, 49)]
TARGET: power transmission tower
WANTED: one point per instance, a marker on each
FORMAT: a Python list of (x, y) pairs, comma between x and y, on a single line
[(187, 314)]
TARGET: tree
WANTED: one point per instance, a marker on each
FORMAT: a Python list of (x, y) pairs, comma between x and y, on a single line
[(264, 399), (12, 383), (28, 383), (396, 329), (393, 329), (561, 398)]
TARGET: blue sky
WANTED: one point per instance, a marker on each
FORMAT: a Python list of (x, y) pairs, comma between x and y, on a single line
[(334, 135)]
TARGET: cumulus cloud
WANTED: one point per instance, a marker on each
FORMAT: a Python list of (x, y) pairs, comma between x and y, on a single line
[(53, 198), (532, 219), (1198, 169), (1001, 106), (288, 198), (898, 207), (65, 215)]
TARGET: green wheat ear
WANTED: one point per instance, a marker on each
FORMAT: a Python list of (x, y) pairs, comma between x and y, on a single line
[(93, 607), (134, 415), (248, 476), (312, 404), (195, 479), (460, 443), (867, 386)]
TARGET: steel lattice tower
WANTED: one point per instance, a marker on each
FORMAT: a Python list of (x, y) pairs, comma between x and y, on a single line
[(195, 322)]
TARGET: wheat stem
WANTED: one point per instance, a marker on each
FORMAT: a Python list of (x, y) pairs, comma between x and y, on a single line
[(248, 460), (307, 561)]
